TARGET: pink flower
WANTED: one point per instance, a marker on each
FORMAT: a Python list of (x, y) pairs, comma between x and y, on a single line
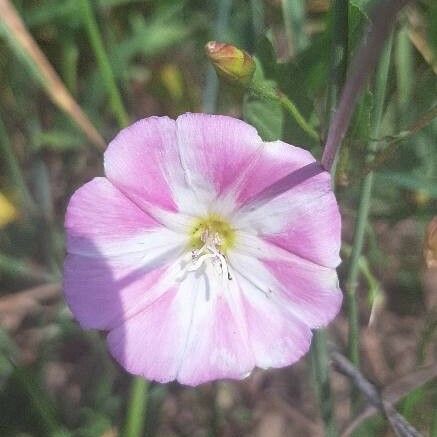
[(204, 251)]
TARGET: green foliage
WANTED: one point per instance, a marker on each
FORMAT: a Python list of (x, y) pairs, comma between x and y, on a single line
[(266, 115)]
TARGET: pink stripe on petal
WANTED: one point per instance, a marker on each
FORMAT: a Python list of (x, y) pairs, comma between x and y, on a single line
[(304, 220), (142, 161), (99, 216), (279, 160), (305, 290), (313, 232), (312, 294), (215, 150)]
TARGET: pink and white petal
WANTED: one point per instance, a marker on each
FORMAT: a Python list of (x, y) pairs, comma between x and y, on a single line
[(116, 253), (218, 343), (305, 220), (215, 151), (143, 162), (100, 218), (102, 293), (304, 289), (314, 293), (276, 337), (152, 343)]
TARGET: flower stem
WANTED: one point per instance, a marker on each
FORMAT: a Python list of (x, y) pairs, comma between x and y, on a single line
[(363, 213), (320, 366), (267, 92), (103, 62), (137, 407), (384, 16), (319, 350), (339, 54)]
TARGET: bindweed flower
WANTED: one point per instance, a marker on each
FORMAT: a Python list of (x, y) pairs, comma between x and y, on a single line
[(231, 63), (204, 252)]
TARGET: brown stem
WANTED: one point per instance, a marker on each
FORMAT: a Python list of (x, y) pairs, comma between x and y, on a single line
[(363, 64)]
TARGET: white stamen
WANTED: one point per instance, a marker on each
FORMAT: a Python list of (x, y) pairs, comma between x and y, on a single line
[(209, 251)]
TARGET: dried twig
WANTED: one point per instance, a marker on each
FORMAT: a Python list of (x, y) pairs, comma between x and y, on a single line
[(53, 85), (394, 393), (398, 423)]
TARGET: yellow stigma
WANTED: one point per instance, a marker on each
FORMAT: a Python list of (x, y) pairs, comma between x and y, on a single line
[(212, 225)]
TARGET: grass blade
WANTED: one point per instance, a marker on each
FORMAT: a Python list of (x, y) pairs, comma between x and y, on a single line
[(23, 44), (210, 93), (103, 62), (363, 214), (293, 12)]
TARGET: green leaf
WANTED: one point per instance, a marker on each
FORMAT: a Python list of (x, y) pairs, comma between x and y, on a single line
[(358, 20), (266, 55), (266, 116)]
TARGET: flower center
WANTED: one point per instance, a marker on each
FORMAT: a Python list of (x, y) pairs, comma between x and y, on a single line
[(212, 229), (210, 237)]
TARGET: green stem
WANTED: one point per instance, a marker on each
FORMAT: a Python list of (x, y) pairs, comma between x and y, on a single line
[(103, 62), (372, 282), (319, 349), (320, 366), (137, 408), (267, 92), (363, 214), (404, 60), (339, 54)]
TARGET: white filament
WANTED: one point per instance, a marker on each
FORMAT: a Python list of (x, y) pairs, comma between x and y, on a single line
[(209, 251)]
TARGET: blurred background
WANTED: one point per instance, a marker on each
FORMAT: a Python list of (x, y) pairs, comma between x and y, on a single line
[(73, 72)]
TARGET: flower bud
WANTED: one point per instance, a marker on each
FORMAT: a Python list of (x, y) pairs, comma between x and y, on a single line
[(430, 244), (231, 63)]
